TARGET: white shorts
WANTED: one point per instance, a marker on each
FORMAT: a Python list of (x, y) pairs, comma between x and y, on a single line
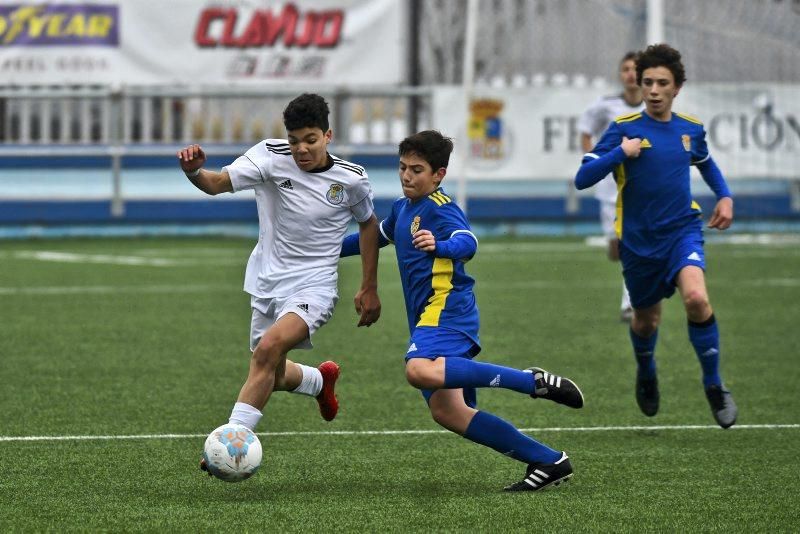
[(313, 305), (608, 213)]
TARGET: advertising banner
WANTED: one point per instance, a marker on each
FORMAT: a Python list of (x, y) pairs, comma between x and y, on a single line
[(753, 130), (234, 42)]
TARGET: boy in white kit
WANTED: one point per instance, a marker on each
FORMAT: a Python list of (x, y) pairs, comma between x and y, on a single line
[(306, 198), (592, 123)]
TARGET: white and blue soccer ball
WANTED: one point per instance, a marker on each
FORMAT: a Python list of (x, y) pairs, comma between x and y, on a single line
[(232, 453)]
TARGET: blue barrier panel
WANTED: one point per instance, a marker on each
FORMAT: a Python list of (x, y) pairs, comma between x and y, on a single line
[(750, 207)]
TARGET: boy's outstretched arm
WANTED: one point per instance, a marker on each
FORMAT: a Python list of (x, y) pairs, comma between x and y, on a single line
[(367, 303), (352, 247), (192, 158)]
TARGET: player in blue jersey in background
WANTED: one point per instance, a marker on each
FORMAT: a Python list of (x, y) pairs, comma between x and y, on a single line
[(659, 225), (433, 241)]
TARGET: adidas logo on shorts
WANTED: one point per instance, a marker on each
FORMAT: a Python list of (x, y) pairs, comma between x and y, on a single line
[(303, 307)]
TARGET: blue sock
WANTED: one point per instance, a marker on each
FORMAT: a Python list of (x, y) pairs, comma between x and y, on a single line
[(705, 340), (644, 349), (465, 373), (493, 432)]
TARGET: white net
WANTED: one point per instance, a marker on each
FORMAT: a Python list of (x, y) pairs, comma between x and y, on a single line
[(524, 42), (736, 40)]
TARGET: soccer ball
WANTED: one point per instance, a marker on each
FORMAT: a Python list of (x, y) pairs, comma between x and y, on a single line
[(232, 453)]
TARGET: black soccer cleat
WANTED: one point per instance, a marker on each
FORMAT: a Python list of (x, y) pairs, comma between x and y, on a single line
[(647, 396), (555, 388), (544, 476), (722, 405)]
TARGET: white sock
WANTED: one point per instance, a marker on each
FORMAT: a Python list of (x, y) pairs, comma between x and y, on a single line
[(626, 298), (311, 384), (244, 414)]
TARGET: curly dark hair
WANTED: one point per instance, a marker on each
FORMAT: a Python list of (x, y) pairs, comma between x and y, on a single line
[(306, 111), (660, 55), (431, 146)]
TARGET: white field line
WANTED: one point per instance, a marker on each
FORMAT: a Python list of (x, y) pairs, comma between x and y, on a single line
[(195, 251), (137, 261), (113, 259), (71, 257), (103, 290), (399, 432)]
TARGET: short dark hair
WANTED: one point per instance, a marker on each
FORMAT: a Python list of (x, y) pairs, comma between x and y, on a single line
[(431, 146), (306, 111), (630, 55), (660, 55)]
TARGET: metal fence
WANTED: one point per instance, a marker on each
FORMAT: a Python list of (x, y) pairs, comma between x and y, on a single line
[(139, 116), (148, 121)]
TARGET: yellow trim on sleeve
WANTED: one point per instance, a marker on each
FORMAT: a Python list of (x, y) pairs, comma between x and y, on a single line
[(442, 283), (619, 174), (440, 198), (689, 118), (629, 117)]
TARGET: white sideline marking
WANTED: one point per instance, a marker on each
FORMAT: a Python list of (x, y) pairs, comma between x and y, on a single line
[(112, 259), (101, 290), (196, 251), (71, 257), (755, 239), (401, 432)]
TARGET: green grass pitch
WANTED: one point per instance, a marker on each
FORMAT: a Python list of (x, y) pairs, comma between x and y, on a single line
[(147, 337)]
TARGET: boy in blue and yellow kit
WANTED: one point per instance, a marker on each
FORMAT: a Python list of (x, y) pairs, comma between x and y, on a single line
[(433, 241), (659, 226)]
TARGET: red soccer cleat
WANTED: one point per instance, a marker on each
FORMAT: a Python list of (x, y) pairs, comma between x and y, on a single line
[(328, 404)]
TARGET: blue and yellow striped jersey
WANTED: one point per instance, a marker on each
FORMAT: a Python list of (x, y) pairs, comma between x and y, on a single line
[(654, 199), (438, 292)]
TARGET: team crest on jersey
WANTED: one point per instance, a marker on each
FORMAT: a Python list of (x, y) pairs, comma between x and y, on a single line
[(687, 142), (335, 194), (415, 225)]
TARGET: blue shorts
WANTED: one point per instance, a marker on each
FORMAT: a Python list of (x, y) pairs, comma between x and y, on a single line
[(432, 342), (651, 279)]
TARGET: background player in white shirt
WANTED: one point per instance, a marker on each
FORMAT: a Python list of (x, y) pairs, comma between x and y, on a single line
[(305, 198), (592, 123)]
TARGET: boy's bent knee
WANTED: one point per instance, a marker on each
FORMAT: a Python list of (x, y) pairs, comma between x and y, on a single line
[(266, 355), (696, 303), (645, 324)]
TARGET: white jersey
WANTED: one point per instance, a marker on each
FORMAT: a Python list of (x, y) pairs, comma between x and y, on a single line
[(302, 217), (594, 121)]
